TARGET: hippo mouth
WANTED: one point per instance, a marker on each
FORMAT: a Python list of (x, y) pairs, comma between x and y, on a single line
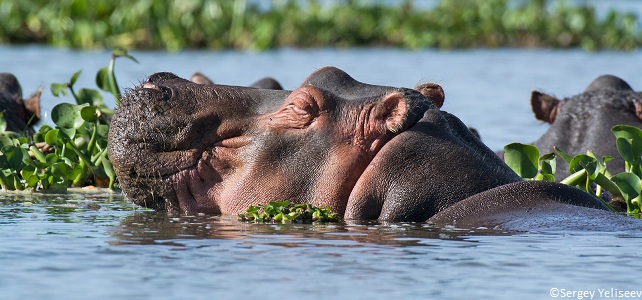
[(191, 148)]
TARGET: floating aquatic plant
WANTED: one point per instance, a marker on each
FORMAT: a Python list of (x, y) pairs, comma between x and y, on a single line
[(71, 154), (288, 212), (587, 171)]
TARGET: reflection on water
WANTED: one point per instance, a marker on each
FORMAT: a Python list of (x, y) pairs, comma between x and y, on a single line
[(158, 228), (84, 205)]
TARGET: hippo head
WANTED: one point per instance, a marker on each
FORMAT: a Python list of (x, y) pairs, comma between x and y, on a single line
[(20, 114), (584, 121), (185, 147)]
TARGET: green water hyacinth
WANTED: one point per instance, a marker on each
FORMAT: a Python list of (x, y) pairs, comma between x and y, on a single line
[(288, 212), (587, 171), (261, 25), (526, 162), (74, 152)]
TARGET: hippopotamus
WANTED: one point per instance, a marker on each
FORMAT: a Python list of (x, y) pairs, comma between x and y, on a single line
[(20, 114), (263, 83), (584, 121), (367, 151)]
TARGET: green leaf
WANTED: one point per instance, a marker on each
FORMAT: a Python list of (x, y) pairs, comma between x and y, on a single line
[(14, 156), (60, 170), (51, 158), (122, 52), (90, 113), (51, 138), (102, 79), (625, 149), (586, 162), (109, 170), (28, 171), (6, 141), (37, 154), (58, 88), (103, 130), (632, 136), (90, 96), (606, 183), (629, 185), (67, 133), (547, 164), (74, 77), (32, 180), (565, 156), (66, 115), (522, 159)]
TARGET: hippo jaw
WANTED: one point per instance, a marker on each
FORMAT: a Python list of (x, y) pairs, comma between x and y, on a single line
[(189, 148)]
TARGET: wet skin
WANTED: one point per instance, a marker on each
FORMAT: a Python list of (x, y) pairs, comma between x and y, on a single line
[(369, 152)]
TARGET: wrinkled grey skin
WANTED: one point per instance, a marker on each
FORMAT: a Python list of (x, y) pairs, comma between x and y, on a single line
[(369, 152), (583, 122), (20, 114), (263, 83)]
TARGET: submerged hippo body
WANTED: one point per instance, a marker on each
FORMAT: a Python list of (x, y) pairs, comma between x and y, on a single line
[(20, 114), (583, 122), (369, 152)]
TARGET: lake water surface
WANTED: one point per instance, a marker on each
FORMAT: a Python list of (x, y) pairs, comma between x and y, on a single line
[(95, 245)]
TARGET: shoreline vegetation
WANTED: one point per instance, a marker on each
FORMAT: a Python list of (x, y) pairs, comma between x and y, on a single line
[(243, 24)]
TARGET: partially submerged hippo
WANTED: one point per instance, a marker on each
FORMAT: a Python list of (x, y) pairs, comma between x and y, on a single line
[(583, 122), (263, 83), (370, 152), (20, 114)]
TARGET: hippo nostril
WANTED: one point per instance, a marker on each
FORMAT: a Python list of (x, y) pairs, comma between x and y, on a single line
[(148, 85), (166, 92)]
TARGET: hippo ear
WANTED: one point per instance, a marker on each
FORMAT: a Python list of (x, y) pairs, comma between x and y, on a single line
[(299, 110), (199, 78), (392, 112), (433, 92), (388, 116), (32, 108), (544, 106), (638, 109)]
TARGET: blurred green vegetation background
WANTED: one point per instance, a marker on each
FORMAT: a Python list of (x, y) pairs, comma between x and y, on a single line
[(242, 24)]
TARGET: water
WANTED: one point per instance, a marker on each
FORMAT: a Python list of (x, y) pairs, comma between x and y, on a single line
[(95, 245)]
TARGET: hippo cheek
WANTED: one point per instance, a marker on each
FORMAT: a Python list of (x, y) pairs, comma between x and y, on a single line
[(200, 188), (196, 189)]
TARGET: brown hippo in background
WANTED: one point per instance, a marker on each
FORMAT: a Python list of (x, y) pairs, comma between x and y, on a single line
[(583, 122), (20, 114), (263, 83), (369, 152)]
